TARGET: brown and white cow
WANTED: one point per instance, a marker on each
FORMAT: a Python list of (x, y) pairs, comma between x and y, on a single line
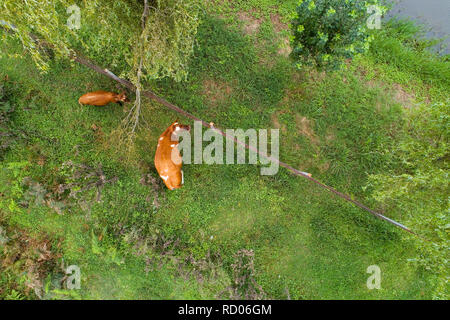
[(168, 158)]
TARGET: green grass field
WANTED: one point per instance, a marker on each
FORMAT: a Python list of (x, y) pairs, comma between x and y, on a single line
[(284, 236)]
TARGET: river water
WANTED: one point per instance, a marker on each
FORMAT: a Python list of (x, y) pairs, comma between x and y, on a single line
[(435, 14)]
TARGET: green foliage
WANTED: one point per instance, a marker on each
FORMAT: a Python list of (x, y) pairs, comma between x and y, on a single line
[(167, 42), (325, 32), (417, 188), (16, 172), (110, 33), (6, 111), (400, 44), (420, 189), (46, 19)]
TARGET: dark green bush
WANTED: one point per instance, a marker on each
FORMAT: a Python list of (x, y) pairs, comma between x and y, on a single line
[(325, 32)]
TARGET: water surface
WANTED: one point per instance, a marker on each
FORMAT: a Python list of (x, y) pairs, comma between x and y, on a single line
[(435, 14)]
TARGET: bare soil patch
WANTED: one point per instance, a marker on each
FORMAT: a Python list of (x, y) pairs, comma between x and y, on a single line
[(304, 126), (279, 26), (251, 24), (276, 122), (285, 47), (216, 91), (406, 99)]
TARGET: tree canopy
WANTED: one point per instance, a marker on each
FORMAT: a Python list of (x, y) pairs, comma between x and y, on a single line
[(110, 32)]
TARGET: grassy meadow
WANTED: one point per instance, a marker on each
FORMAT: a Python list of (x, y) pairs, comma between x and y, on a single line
[(229, 232)]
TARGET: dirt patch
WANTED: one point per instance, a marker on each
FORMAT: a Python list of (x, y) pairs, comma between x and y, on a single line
[(372, 84), (397, 91), (278, 25), (323, 167), (152, 183), (276, 122), (317, 76), (404, 98), (251, 24), (296, 91), (32, 258), (216, 91), (330, 135), (304, 126), (285, 48), (266, 60), (98, 133)]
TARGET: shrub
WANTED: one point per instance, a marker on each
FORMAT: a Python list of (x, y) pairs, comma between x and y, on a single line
[(325, 32)]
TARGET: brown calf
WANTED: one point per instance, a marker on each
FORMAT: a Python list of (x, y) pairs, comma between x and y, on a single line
[(101, 98)]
